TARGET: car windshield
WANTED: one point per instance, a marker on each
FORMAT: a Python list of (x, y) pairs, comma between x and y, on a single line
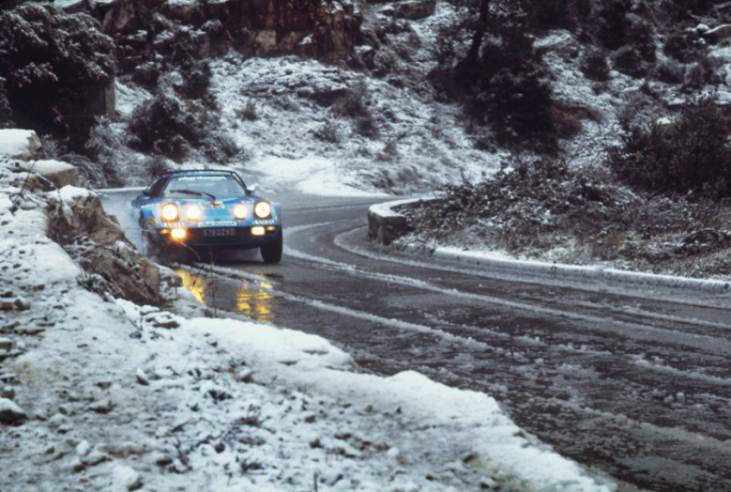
[(209, 187)]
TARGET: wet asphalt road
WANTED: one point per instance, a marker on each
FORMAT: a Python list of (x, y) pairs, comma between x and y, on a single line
[(634, 385)]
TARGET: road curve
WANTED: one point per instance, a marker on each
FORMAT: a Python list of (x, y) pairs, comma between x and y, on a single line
[(635, 386)]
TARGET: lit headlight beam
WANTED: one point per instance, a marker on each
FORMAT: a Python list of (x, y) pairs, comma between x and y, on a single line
[(169, 212), (193, 212), (240, 211), (262, 210)]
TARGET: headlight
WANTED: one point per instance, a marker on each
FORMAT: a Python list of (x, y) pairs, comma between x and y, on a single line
[(178, 234), (193, 213), (240, 211), (169, 212), (262, 210)]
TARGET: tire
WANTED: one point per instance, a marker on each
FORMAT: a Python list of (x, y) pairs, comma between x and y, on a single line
[(272, 252)]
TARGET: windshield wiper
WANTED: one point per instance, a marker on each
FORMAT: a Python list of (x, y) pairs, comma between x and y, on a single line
[(193, 192)]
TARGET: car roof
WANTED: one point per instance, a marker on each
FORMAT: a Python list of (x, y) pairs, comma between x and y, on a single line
[(194, 172)]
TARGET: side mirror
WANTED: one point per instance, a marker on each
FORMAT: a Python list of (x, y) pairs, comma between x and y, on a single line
[(250, 190), (147, 192)]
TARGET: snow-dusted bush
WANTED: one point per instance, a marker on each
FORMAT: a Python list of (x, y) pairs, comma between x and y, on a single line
[(669, 71), (196, 79), (684, 46), (594, 65), (146, 74), (639, 34), (611, 22), (218, 147), (581, 214), (327, 132), (629, 61), (156, 165), (354, 104), (525, 199), (692, 153), (6, 113), (162, 126), (505, 85), (556, 14), (174, 129), (57, 66), (520, 106), (248, 112)]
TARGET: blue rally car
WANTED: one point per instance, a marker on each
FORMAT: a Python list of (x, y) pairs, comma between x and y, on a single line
[(202, 211)]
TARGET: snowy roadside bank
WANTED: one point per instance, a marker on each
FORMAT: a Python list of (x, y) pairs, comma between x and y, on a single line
[(101, 394), (500, 262)]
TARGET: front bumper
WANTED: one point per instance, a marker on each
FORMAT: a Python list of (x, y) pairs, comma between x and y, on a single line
[(197, 238)]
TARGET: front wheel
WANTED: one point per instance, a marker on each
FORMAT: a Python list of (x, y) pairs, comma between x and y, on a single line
[(272, 252)]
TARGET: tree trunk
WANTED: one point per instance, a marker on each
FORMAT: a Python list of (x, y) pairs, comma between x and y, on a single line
[(479, 32)]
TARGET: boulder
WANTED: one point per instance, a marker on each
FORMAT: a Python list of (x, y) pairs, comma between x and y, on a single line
[(57, 172), (97, 243), (10, 413), (19, 144), (409, 9)]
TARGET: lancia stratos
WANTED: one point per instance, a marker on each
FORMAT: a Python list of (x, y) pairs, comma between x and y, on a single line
[(203, 211)]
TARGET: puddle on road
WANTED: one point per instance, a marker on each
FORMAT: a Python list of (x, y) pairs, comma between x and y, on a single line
[(194, 284), (248, 297)]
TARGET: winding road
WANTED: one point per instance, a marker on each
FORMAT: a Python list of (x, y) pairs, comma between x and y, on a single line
[(636, 385)]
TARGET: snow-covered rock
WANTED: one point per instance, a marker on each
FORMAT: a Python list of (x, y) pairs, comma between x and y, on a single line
[(19, 144), (10, 413), (59, 173)]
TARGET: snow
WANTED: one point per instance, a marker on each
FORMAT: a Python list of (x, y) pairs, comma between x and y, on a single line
[(71, 193), (51, 166), (18, 143), (121, 396), (312, 175)]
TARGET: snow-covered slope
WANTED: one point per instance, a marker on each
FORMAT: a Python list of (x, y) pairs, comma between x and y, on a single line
[(106, 395)]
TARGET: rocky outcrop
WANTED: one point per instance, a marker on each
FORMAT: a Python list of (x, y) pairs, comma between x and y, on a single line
[(19, 144), (410, 9), (322, 29), (386, 223), (96, 242)]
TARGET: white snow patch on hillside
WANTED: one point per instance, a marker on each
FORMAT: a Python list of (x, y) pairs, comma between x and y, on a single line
[(310, 174)]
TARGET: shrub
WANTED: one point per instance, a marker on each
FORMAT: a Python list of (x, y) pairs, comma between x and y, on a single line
[(638, 34), (525, 199), (155, 166), (629, 61), (389, 152), (90, 171), (613, 23), (353, 103), (146, 74), (594, 65), (704, 72), (690, 154), (327, 132), (219, 147), (56, 66), (684, 47), (248, 112), (366, 126), (520, 104), (669, 72), (161, 126), (196, 79), (6, 114)]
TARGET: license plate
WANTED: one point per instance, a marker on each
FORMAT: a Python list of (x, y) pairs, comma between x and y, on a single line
[(227, 232)]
